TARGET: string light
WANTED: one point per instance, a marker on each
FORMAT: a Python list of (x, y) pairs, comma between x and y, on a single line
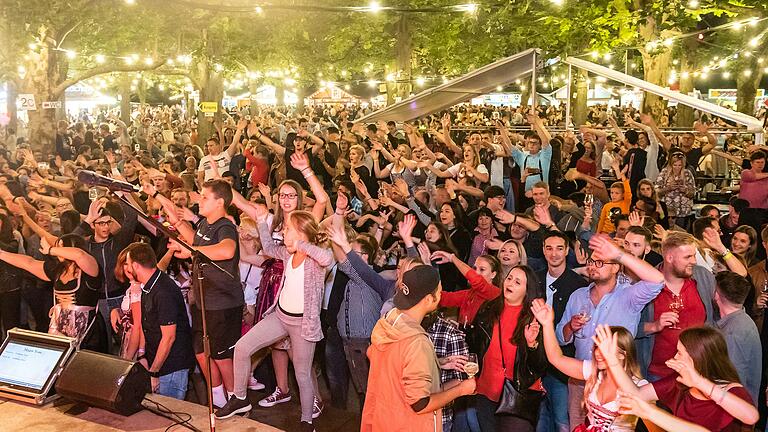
[(374, 7), (70, 54), (693, 4), (372, 83), (420, 81)]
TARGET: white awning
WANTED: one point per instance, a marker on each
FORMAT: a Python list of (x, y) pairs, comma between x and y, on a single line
[(752, 124), (461, 89)]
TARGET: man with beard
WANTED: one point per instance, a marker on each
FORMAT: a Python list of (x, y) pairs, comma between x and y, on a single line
[(606, 301), (164, 322), (662, 321)]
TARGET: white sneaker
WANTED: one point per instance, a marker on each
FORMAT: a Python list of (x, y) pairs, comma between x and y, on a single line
[(277, 397), (317, 408), (254, 384)]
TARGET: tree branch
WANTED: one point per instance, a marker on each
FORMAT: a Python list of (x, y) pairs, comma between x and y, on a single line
[(103, 70)]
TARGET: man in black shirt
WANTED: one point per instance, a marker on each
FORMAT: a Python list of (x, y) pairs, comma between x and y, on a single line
[(108, 141), (634, 160), (637, 241), (216, 237), (167, 335)]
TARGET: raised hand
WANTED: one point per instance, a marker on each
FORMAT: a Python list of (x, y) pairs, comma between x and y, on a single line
[(543, 312), (406, 226), (338, 236), (712, 239), (424, 254), (265, 192), (299, 161), (603, 248), (342, 202), (632, 404), (687, 374), (242, 124), (402, 187), (635, 219), (541, 215), (441, 257), (45, 248), (607, 342), (581, 254), (532, 333), (505, 217)]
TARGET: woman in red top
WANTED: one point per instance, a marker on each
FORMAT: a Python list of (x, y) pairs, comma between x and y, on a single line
[(505, 329), (710, 394), (483, 282), (586, 163)]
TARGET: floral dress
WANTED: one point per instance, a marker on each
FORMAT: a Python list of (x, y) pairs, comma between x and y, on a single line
[(678, 191)]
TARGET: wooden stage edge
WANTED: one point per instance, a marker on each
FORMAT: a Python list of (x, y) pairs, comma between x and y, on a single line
[(63, 415)]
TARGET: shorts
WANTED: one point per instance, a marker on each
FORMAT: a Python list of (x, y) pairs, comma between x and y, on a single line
[(224, 328)]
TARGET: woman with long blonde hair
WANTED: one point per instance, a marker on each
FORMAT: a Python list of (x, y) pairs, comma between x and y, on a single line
[(295, 312), (601, 399)]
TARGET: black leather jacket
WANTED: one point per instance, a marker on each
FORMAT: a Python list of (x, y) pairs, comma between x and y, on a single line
[(531, 363)]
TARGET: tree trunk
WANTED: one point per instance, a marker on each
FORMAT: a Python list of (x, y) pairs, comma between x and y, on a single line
[(10, 103), (684, 114), (299, 98), (40, 80), (253, 107), (280, 94), (125, 98), (746, 92), (403, 54), (211, 90), (655, 71), (579, 104)]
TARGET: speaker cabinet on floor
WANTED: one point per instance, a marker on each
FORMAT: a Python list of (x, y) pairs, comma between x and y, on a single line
[(104, 381)]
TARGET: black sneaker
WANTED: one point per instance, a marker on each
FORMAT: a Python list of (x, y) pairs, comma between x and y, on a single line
[(307, 427), (234, 406)]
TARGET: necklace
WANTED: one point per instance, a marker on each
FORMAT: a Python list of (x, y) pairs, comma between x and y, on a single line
[(147, 291)]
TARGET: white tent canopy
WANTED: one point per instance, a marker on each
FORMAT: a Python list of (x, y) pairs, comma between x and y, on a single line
[(752, 124), (461, 89)]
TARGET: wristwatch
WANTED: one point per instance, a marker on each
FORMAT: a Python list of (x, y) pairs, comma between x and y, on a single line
[(154, 374)]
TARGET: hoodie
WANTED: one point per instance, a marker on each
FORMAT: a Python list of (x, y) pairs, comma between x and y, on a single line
[(405, 370)]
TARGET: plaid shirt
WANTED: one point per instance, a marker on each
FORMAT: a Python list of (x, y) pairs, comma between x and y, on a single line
[(448, 341)]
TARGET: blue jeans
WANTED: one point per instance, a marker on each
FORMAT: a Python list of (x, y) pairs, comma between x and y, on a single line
[(553, 416), (105, 306), (510, 194), (465, 415), (174, 384)]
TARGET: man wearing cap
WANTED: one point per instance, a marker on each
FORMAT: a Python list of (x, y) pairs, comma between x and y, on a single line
[(404, 390), (109, 227)]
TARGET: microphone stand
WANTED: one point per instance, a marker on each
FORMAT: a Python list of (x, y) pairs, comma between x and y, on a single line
[(199, 259)]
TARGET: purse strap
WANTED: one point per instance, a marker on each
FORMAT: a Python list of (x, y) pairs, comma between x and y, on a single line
[(503, 364)]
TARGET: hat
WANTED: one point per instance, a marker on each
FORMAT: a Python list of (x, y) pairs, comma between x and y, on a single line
[(417, 283)]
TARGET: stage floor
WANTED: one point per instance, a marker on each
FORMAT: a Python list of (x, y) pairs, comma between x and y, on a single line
[(62, 415)]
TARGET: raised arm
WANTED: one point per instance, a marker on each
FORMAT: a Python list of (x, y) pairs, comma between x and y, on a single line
[(25, 262), (703, 129), (85, 261), (546, 316), (301, 163)]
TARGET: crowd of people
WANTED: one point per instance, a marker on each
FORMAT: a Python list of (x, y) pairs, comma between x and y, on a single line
[(457, 273)]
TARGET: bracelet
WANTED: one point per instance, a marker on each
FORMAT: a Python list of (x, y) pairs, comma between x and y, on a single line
[(722, 396), (514, 221), (711, 391), (307, 176), (728, 254)]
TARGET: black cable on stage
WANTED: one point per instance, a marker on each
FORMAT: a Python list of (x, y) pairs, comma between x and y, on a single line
[(176, 417)]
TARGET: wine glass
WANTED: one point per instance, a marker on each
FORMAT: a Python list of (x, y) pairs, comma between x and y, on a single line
[(589, 199), (676, 306), (762, 299), (585, 317), (471, 367)]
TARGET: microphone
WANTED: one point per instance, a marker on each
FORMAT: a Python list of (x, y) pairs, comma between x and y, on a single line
[(92, 179)]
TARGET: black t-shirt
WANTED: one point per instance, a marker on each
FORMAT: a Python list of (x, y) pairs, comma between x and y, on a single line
[(693, 157), (162, 304), (636, 159), (108, 143), (221, 291), (64, 146), (653, 258), (87, 288)]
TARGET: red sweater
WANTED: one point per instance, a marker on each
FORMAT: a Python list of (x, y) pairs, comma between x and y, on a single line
[(469, 300)]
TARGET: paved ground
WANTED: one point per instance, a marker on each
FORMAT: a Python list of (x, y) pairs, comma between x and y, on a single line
[(286, 416)]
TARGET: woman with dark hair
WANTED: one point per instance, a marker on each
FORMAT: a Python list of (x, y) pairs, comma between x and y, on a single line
[(484, 231), (706, 388), (452, 215), (506, 337), (10, 288), (744, 244), (437, 238), (76, 280)]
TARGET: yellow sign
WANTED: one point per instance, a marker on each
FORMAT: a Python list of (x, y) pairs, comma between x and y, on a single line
[(208, 107)]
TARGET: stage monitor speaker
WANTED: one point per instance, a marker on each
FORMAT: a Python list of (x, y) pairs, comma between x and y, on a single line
[(104, 381)]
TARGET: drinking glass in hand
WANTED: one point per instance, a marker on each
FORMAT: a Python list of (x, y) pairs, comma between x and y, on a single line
[(471, 367), (585, 317), (676, 306)]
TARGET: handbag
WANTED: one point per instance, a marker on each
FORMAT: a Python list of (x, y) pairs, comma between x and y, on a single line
[(516, 401)]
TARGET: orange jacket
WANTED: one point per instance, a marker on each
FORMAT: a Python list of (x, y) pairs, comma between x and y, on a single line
[(404, 370)]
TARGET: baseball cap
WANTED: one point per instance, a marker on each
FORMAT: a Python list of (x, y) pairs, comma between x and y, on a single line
[(417, 283)]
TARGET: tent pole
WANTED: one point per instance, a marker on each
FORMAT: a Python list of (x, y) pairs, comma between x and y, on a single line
[(569, 92), (533, 80)]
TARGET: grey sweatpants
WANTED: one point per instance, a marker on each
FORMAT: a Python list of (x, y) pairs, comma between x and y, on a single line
[(266, 332)]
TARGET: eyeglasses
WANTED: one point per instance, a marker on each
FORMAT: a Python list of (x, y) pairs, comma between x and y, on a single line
[(598, 263), (102, 223), (287, 195)]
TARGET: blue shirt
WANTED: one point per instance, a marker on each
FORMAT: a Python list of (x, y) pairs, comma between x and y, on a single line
[(620, 307), (541, 160)]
